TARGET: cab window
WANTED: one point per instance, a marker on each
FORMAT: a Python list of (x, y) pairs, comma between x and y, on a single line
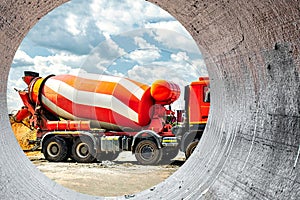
[(206, 94)]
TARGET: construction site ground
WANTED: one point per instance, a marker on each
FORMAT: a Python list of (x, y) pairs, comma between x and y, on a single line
[(122, 176)]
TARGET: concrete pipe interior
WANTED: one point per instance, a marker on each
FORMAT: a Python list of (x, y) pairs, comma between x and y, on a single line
[(250, 149)]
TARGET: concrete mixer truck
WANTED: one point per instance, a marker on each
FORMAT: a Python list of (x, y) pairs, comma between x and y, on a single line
[(92, 116)]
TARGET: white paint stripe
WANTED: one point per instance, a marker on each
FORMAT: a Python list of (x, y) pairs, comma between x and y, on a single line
[(68, 115), (91, 99), (59, 111), (133, 88), (129, 85), (124, 110)]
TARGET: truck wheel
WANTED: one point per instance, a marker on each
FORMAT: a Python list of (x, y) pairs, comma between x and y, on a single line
[(147, 153), (108, 156), (190, 148), (169, 154), (83, 150), (55, 149)]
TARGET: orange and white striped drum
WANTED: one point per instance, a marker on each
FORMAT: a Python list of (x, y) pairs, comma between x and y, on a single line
[(109, 102)]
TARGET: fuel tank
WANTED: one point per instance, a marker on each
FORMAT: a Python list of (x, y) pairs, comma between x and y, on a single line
[(109, 102)]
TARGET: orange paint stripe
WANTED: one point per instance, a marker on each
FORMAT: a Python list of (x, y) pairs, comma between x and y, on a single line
[(89, 112), (102, 87), (90, 85)]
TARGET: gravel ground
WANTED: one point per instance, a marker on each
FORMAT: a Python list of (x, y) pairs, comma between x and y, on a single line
[(122, 176)]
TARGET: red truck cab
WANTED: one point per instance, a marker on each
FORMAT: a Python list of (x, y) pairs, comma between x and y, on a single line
[(199, 99), (197, 104)]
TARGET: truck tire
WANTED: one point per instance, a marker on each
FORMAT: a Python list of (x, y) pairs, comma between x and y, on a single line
[(190, 148), (55, 149), (83, 150), (108, 156), (147, 152), (169, 154)]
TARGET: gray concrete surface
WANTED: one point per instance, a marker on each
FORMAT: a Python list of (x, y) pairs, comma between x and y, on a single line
[(250, 149)]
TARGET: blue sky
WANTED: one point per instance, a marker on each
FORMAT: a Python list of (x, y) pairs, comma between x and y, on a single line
[(135, 39)]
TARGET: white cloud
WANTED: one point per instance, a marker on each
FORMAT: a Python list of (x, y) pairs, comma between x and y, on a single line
[(182, 72), (179, 68), (72, 24), (175, 40), (142, 43), (180, 56), (22, 59), (116, 17), (103, 56), (145, 53), (169, 25), (200, 65), (64, 42), (153, 11), (69, 27), (57, 64), (78, 26), (179, 73)]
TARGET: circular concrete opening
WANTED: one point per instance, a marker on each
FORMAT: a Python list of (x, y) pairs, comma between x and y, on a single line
[(70, 47), (251, 145)]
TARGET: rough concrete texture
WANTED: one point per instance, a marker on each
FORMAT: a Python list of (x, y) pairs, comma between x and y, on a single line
[(250, 149)]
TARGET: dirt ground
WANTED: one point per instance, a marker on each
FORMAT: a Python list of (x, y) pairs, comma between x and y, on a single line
[(123, 176)]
